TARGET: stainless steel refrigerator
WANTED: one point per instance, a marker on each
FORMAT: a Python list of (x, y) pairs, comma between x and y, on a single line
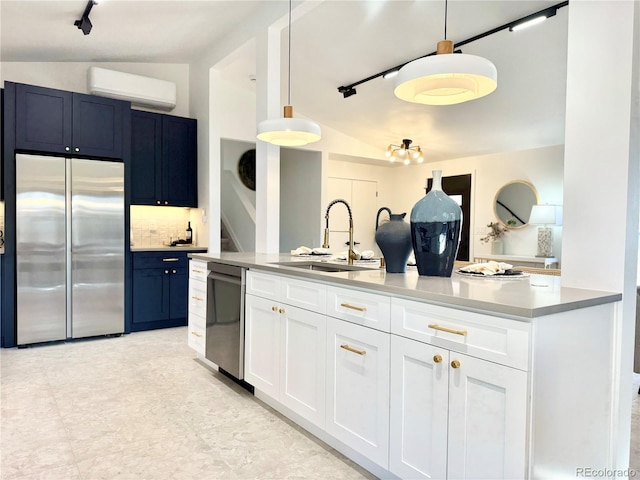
[(69, 248)]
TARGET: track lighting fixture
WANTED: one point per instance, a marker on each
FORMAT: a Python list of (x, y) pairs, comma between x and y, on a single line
[(84, 23), (289, 131), (404, 152), (348, 90), (533, 19)]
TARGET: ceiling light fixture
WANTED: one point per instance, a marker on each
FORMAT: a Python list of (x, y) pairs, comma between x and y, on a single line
[(349, 90), (404, 153), (289, 131), (84, 23), (446, 78)]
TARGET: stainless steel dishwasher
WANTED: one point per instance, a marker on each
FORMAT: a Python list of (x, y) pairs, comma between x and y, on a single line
[(225, 318)]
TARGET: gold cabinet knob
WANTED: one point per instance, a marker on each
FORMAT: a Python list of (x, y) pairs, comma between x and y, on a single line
[(274, 309), (281, 310), (437, 358), (455, 364)]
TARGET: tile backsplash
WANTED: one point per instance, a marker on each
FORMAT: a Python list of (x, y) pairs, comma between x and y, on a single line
[(155, 226)]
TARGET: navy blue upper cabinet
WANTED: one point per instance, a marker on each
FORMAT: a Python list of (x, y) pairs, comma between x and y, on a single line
[(163, 160), (146, 158), (56, 121)]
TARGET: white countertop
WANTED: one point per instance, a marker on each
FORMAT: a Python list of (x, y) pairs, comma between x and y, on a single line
[(524, 298)]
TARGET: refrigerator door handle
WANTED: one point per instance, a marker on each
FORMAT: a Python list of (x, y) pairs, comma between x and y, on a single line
[(67, 246)]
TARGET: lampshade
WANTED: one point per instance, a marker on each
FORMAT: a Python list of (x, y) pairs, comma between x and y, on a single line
[(446, 78), (543, 215), (288, 131)]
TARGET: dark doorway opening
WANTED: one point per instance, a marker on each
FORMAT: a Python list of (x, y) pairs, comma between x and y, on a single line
[(458, 187)]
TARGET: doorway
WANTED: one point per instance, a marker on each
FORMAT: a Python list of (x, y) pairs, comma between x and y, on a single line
[(458, 187), (362, 197)]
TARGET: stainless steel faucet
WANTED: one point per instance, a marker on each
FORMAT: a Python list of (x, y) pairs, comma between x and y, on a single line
[(351, 255)]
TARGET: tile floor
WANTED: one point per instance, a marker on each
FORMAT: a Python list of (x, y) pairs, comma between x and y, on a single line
[(139, 407)]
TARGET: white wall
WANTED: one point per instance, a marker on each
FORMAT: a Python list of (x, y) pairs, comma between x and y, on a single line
[(602, 171), (542, 167), (300, 194)]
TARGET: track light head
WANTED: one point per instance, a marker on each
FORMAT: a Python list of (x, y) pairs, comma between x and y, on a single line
[(84, 23), (347, 91)]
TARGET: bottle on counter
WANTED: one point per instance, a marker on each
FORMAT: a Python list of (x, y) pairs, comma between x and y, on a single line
[(189, 234)]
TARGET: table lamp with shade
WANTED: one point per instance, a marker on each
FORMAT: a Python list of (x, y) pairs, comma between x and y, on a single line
[(544, 215)]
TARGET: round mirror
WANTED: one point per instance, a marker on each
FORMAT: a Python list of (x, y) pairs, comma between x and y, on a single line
[(513, 203)]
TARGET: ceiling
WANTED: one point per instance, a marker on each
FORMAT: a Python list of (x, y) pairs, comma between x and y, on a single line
[(337, 42)]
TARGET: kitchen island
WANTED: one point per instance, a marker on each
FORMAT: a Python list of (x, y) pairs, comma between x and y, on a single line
[(422, 377)]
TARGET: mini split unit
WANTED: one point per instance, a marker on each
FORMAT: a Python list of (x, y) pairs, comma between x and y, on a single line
[(139, 90)]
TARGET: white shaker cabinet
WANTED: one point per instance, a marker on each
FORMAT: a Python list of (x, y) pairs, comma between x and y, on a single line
[(262, 344), (454, 415), (197, 317), (358, 388), (285, 352), (303, 363), (419, 409), (487, 420)]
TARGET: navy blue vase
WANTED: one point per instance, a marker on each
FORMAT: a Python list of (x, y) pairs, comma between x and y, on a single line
[(436, 221), (394, 240)]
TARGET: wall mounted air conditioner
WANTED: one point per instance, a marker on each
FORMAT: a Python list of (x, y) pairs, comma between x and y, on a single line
[(139, 90)]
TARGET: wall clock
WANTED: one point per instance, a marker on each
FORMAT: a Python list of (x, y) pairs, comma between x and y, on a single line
[(247, 169)]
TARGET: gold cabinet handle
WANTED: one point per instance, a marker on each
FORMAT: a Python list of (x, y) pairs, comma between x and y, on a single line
[(448, 330), (199, 299), (354, 350), (437, 358), (170, 259), (281, 310), (455, 364), (196, 334), (196, 270), (353, 307), (274, 309)]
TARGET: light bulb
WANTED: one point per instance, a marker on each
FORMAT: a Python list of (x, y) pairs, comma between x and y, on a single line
[(416, 154), (402, 153), (407, 162)]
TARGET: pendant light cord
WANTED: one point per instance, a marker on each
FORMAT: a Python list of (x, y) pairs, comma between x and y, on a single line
[(445, 19), (289, 78)]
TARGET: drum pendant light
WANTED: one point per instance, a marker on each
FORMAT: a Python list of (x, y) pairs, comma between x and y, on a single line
[(446, 78), (289, 131)]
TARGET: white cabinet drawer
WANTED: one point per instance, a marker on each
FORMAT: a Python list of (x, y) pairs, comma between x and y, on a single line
[(198, 297), (368, 309), (198, 270), (496, 339), (196, 333), (263, 285), (303, 294)]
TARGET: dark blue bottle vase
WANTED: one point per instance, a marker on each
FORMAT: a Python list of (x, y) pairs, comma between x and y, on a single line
[(436, 221), (394, 240)]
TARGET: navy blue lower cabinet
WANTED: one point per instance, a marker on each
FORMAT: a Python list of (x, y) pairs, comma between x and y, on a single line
[(160, 290)]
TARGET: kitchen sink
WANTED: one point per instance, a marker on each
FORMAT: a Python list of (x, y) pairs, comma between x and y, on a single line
[(322, 266)]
